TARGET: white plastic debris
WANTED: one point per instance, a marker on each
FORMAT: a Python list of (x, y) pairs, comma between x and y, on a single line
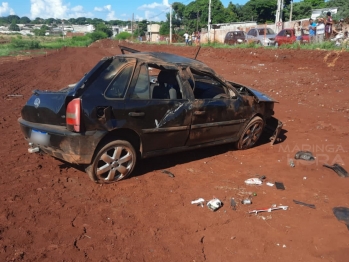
[(199, 201), (253, 181), (214, 204), (256, 211), (269, 184)]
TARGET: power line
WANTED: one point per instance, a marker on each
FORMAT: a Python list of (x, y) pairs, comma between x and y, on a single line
[(166, 10)]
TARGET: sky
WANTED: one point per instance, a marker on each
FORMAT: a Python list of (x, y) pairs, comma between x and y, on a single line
[(154, 10)]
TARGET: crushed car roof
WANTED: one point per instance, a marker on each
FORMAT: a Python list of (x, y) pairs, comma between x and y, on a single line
[(169, 60)]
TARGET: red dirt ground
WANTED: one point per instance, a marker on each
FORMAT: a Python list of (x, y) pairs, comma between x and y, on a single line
[(51, 211)]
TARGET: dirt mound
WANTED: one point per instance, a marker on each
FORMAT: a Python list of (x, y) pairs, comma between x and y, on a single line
[(51, 211)]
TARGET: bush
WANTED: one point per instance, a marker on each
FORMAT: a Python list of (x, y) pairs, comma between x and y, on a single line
[(96, 35), (25, 44), (123, 36)]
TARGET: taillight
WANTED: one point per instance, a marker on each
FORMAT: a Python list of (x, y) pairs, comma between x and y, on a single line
[(73, 114)]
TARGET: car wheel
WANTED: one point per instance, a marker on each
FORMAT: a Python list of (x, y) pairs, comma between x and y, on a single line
[(113, 162), (251, 133)]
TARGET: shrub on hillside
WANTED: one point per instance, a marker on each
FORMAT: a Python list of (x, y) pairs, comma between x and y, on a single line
[(123, 36), (96, 35)]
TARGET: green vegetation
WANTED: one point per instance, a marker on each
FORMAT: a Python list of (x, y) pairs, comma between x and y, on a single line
[(18, 43), (123, 36)]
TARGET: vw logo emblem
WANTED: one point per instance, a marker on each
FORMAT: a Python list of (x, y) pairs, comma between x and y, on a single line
[(37, 102)]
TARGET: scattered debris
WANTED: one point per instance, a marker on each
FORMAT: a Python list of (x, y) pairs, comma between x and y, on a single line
[(256, 211), (279, 185), (304, 204), (199, 201), (342, 214), (338, 169), (304, 155), (233, 204), (264, 218), (246, 201), (168, 173), (292, 163), (269, 184), (214, 204), (253, 181), (15, 95)]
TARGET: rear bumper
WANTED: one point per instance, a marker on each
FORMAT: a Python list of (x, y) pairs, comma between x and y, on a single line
[(69, 146)]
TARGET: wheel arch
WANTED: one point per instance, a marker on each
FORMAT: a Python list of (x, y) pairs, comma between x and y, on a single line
[(120, 134)]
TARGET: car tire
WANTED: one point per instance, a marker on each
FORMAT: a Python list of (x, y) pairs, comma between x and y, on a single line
[(251, 134), (113, 162)]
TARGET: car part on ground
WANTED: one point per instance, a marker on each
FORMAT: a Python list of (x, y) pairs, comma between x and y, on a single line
[(338, 169), (304, 155)]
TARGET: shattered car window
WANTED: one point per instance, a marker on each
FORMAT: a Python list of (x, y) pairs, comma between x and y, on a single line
[(207, 87), (106, 76), (167, 86), (117, 88), (141, 90)]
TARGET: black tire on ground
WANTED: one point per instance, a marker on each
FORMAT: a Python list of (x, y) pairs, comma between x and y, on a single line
[(113, 162), (251, 133)]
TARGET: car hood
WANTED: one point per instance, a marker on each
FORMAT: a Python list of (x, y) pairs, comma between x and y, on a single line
[(261, 97)]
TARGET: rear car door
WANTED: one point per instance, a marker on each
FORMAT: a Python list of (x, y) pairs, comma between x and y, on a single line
[(217, 112)]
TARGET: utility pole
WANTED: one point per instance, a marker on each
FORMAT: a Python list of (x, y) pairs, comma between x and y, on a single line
[(209, 21), (170, 24), (63, 29), (291, 10), (132, 25)]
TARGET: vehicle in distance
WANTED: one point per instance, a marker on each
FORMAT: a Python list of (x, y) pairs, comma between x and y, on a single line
[(235, 37), (142, 104), (287, 36), (262, 36)]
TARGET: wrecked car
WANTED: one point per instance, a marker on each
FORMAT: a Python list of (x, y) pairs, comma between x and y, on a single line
[(142, 104)]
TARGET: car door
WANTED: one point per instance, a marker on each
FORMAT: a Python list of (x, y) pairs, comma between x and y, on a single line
[(280, 38), (251, 35), (158, 110), (217, 112)]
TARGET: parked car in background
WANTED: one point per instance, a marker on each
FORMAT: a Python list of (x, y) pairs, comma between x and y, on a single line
[(263, 36), (235, 37), (143, 104), (287, 36)]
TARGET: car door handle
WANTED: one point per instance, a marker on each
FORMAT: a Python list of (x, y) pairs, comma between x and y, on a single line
[(136, 113), (199, 113)]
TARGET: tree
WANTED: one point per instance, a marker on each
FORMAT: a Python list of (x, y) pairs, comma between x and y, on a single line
[(24, 20), (13, 19), (178, 10), (343, 7), (300, 10), (231, 13), (164, 29), (316, 4), (104, 28), (261, 11), (13, 27)]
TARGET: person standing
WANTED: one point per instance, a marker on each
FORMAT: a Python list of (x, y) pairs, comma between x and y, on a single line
[(298, 31), (312, 31), (328, 26), (320, 30), (186, 37), (197, 38)]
